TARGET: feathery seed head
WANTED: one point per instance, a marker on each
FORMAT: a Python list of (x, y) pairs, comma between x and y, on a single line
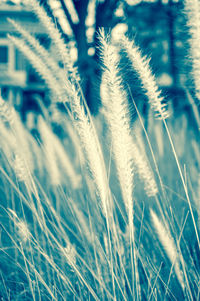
[(57, 39), (6, 111), (168, 245), (70, 253), (143, 169), (141, 65), (21, 226), (21, 169), (39, 65), (23, 231), (192, 8), (114, 100), (49, 150)]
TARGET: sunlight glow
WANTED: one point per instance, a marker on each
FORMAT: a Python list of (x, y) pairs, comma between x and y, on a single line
[(59, 13), (119, 30), (72, 11)]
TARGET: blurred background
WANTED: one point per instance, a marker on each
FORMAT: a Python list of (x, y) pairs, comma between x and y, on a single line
[(158, 27)]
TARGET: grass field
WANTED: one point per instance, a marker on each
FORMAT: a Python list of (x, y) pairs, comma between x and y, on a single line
[(104, 207)]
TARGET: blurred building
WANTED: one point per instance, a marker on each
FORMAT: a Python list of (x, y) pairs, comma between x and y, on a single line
[(19, 82), (158, 27)]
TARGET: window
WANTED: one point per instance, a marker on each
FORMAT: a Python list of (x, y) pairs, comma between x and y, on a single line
[(3, 54), (11, 58), (19, 61), (4, 92), (12, 63)]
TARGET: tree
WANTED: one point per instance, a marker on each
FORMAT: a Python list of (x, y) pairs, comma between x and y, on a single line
[(85, 18)]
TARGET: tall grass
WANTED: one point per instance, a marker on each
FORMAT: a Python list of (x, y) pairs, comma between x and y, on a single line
[(106, 209)]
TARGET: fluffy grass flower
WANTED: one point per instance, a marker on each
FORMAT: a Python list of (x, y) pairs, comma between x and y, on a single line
[(192, 9), (141, 65), (169, 246)]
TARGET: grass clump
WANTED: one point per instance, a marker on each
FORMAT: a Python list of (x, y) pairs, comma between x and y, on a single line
[(107, 210)]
